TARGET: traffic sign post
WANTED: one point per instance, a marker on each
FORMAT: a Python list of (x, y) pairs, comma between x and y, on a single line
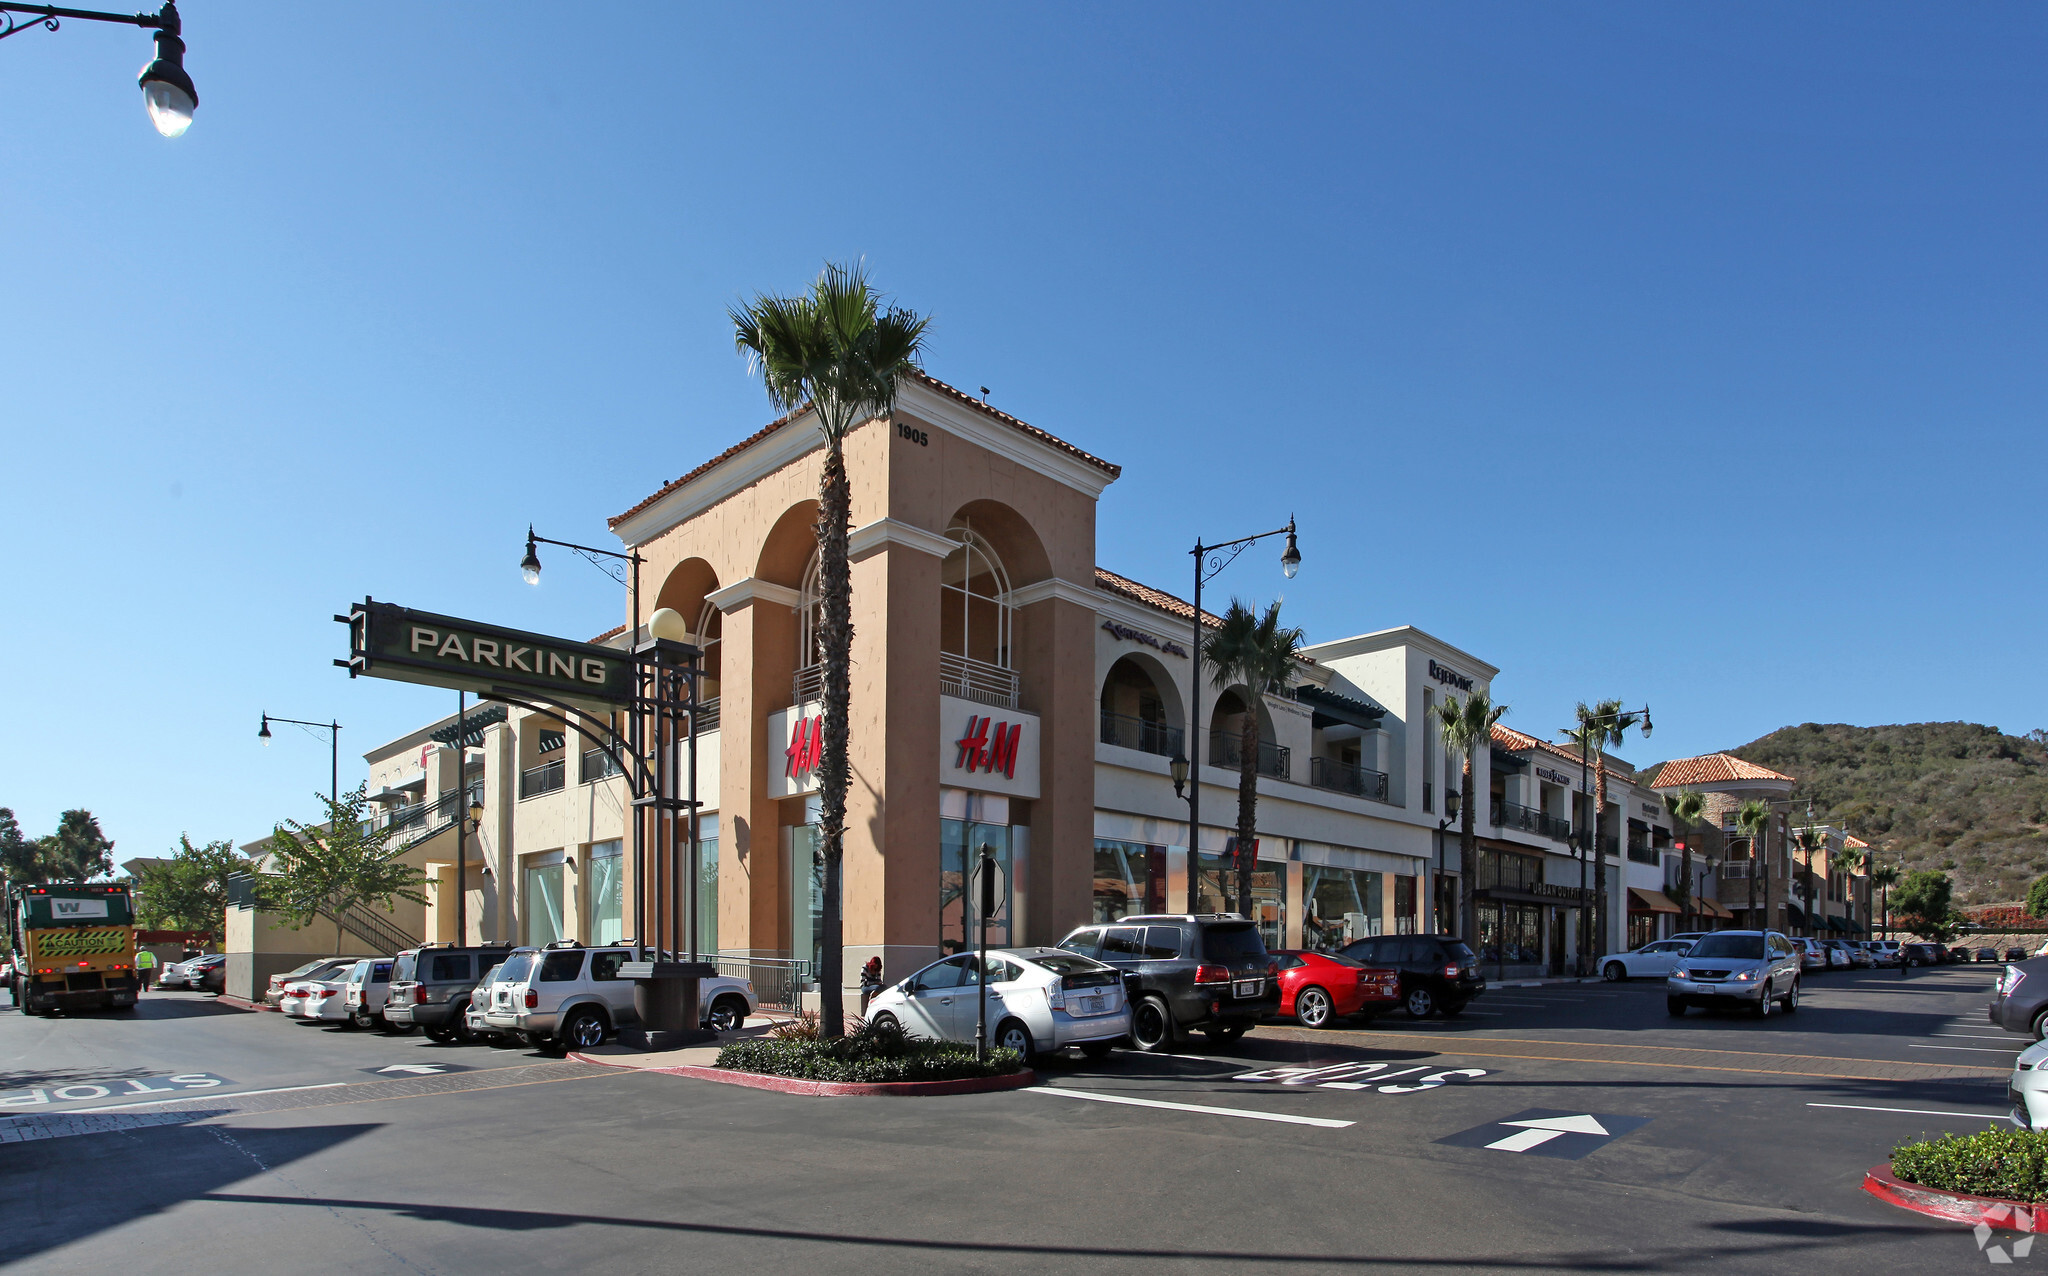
[(988, 877)]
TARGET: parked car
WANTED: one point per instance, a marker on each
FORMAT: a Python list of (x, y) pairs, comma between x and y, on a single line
[(1318, 987), (431, 985), (1959, 953), (1653, 960), (1884, 952), (2019, 1002), (1439, 973), (1923, 954), (318, 968), (2027, 1088), (1813, 955), (1039, 999), (1737, 968), (1987, 954), (2015, 953), (367, 989), (567, 996), (1851, 957), (214, 978), (1192, 971), (318, 999), (190, 974), (476, 1015)]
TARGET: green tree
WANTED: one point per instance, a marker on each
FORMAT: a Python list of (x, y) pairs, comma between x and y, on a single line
[(2037, 897), (1685, 808), (76, 852), (1467, 728), (1884, 877), (189, 891), (17, 853), (1848, 861), (840, 349), (323, 871), (1753, 821), (1926, 909), (1811, 841), (1258, 652), (1599, 726)]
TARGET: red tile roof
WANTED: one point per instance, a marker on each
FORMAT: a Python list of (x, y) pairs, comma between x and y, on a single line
[(1714, 768), (1125, 587), (1512, 741), (929, 381), (609, 634)]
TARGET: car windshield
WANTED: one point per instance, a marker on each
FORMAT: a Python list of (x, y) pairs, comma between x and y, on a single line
[(1459, 950), (1740, 947), (1067, 963), (402, 972), (516, 968), (491, 976), (1234, 941), (1340, 959), (297, 972)]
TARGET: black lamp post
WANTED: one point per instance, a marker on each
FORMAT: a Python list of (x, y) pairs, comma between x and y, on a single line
[(1210, 560), (334, 749), (167, 91)]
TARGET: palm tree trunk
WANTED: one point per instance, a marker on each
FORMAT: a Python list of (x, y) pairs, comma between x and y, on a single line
[(1468, 861), (834, 768), (1247, 806), (1685, 868), (1599, 859)]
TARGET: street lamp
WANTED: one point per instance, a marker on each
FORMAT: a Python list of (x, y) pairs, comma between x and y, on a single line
[(167, 91), (1209, 561), (334, 748)]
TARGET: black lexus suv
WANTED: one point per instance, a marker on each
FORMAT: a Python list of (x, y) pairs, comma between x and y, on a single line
[(1439, 973), (1186, 972)]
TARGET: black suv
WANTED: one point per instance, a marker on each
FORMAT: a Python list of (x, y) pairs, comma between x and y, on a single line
[(1439, 973), (431, 986), (1206, 971)]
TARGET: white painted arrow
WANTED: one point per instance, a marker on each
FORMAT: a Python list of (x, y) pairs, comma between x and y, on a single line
[(1542, 1130), (431, 1069)]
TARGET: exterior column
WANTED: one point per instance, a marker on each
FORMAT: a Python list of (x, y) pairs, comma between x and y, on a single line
[(500, 854), (757, 648), (1056, 639)]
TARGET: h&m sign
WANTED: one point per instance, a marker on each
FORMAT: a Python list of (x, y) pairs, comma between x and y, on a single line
[(993, 752), (989, 746), (806, 749), (387, 641)]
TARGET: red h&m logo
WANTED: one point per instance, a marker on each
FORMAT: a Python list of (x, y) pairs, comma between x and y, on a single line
[(806, 747), (989, 746)]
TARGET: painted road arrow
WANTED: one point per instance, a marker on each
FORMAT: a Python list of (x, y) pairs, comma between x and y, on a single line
[(418, 1069), (1544, 1129), (1548, 1132)]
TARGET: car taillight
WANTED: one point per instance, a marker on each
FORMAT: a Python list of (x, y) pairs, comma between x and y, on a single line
[(419, 995), (1056, 996), (1206, 974), (532, 999), (1451, 971)]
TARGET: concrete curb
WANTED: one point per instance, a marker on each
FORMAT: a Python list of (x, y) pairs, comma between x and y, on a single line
[(222, 999), (1956, 1207), (830, 1089)]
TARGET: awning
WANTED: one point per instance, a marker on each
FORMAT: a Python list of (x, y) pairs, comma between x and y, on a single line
[(1795, 914), (1712, 908), (1647, 901)]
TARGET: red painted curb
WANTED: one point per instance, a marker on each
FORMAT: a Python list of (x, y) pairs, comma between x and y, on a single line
[(1957, 1207), (222, 999), (831, 1089)]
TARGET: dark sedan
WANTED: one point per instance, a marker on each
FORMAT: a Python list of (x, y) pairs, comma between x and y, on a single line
[(2020, 1001)]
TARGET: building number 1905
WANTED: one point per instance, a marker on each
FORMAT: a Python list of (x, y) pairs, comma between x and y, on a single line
[(915, 436)]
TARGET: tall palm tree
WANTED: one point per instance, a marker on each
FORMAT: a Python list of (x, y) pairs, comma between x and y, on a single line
[(1846, 861), (1600, 726), (1258, 652), (1884, 877), (1468, 727), (842, 350), (1685, 808), (1811, 840), (1752, 821)]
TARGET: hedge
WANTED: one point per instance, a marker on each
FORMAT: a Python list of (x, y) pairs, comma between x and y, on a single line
[(872, 1054), (2011, 1165)]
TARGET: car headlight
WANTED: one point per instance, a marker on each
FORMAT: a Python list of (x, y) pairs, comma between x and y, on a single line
[(1680, 972), (1745, 976)]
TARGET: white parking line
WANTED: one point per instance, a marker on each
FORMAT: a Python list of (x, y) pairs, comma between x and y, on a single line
[(1970, 1049), (1864, 1107), (1976, 1036), (1490, 1014), (1098, 1097), (186, 1097)]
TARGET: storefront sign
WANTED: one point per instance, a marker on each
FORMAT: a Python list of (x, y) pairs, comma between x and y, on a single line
[(1651, 809), (1555, 777), (987, 750), (1449, 677), (806, 748), (988, 746), (796, 745), (387, 641), (1128, 634)]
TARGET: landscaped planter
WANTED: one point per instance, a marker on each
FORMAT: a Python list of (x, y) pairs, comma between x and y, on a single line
[(833, 1089), (1958, 1207)]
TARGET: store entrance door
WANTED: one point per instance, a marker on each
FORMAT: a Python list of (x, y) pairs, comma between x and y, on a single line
[(1557, 933)]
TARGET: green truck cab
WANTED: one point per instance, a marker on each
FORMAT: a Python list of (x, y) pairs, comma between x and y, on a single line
[(73, 946)]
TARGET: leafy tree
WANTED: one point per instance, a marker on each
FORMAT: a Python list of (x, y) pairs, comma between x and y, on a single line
[(1258, 652), (1753, 821), (1467, 728), (189, 891), (1685, 808), (1925, 906), (2037, 898), (17, 853), (842, 351), (1600, 726), (324, 871)]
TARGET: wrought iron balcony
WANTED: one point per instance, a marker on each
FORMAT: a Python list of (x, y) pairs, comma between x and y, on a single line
[(1342, 777), (1136, 733), (596, 765), (972, 679), (545, 778), (1273, 759)]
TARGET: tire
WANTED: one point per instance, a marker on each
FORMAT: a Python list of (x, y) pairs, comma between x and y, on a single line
[(362, 1019), (727, 1014), (1224, 1036), (1614, 972), (1420, 1003), (440, 1036), (1098, 1050), (2041, 1024), (1763, 1003), (1011, 1034), (1675, 1007), (1151, 1025), (396, 1029), (887, 1020), (1789, 1003), (585, 1030), (1312, 1007)]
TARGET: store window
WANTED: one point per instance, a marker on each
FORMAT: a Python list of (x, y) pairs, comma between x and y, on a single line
[(1404, 905), (1509, 870), (974, 601), (1130, 877), (960, 847), (607, 892), (707, 883), (1642, 929), (1510, 933), (806, 875), (1216, 891), (1341, 904), (543, 898)]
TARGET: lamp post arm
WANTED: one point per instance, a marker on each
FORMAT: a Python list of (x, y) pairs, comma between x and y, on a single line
[(46, 16)]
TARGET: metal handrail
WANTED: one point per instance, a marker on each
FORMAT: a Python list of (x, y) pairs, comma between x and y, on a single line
[(808, 686), (972, 679), (1224, 751), (545, 778), (385, 936), (1555, 826), (596, 765), (778, 981), (1343, 777), (1127, 732)]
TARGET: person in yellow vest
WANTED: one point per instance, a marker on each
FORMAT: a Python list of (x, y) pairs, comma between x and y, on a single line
[(145, 967)]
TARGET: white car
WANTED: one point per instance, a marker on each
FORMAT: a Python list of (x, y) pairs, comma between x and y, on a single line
[(2028, 1088), (367, 988), (1039, 999), (317, 998), (1651, 961), (566, 996)]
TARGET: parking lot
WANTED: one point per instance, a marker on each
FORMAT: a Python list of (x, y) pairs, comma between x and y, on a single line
[(1567, 1126)]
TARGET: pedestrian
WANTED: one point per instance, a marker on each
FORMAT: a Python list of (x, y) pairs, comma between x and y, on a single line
[(145, 967), (870, 983)]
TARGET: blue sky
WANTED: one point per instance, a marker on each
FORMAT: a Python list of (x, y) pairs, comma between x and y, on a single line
[(1673, 353)]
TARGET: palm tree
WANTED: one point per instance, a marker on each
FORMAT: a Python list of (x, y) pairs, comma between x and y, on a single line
[(841, 350), (1468, 727), (1846, 861), (1884, 877), (1685, 808), (1599, 726), (1751, 821), (1259, 653), (1811, 840)]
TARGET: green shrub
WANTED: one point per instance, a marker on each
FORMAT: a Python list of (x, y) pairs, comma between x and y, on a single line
[(2009, 1164), (874, 1053)]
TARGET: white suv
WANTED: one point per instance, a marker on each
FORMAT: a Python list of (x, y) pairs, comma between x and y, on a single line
[(567, 997)]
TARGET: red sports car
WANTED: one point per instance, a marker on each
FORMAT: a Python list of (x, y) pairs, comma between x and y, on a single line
[(1318, 987)]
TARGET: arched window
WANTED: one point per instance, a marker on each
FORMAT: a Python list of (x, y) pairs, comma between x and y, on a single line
[(975, 621), (810, 636)]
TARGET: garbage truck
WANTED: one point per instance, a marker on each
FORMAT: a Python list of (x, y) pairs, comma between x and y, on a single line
[(73, 946)]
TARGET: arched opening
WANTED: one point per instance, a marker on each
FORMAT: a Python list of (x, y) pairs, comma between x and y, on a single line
[(1226, 734), (809, 683), (975, 619), (687, 592), (1140, 710)]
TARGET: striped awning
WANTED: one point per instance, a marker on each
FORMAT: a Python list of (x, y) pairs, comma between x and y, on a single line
[(1648, 901)]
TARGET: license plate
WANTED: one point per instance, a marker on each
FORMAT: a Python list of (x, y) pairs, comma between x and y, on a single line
[(1246, 988), (1091, 1005)]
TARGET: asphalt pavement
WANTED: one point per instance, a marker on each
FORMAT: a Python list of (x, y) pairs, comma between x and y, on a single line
[(1570, 1127)]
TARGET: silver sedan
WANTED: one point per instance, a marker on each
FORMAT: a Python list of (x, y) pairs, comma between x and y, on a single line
[(1039, 999)]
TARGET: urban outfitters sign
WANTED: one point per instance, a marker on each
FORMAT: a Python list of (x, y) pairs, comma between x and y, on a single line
[(388, 641)]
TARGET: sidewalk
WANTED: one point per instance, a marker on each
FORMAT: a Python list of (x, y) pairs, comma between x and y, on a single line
[(614, 1055)]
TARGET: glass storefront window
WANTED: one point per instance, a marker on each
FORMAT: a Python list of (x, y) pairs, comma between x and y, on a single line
[(1642, 929), (1510, 934), (707, 884), (1216, 891), (807, 895), (543, 903), (1343, 904), (1404, 905), (607, 892), (960, 843), (1130, 877)]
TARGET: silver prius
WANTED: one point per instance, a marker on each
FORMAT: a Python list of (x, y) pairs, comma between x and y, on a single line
[(1039, 999), (1752, 970)]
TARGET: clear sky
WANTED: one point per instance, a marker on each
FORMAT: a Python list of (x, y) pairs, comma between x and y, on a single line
[(1683, 354)]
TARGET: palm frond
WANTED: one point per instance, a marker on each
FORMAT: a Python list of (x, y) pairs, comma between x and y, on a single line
[(834, 347)]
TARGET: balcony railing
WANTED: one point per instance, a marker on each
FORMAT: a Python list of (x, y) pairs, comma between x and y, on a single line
[(596, 765), (808, 687), (1136, 733), (545, 778), (1511, 815), (972, 679), (1342, 777), (1643, 852), (1224, 752)]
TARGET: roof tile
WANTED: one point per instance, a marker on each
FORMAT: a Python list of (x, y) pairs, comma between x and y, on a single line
[(1712, 768)]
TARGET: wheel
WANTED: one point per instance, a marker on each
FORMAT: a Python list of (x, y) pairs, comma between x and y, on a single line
[(886, 1020), (727, 1014), (584, 1031), (1152, 1025), (1223, 1036), (1098, 1049), (1421, 1003), (1312, 1007), (2041, 1025), (1789, 1003), (1614, 972), (440, 1035), (362, 1019), (1764, 1003), (1011, 1034), (396, 1029), (1675, 1006)]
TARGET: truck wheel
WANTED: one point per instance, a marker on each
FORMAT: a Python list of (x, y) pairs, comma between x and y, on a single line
[(1152, 1025)]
